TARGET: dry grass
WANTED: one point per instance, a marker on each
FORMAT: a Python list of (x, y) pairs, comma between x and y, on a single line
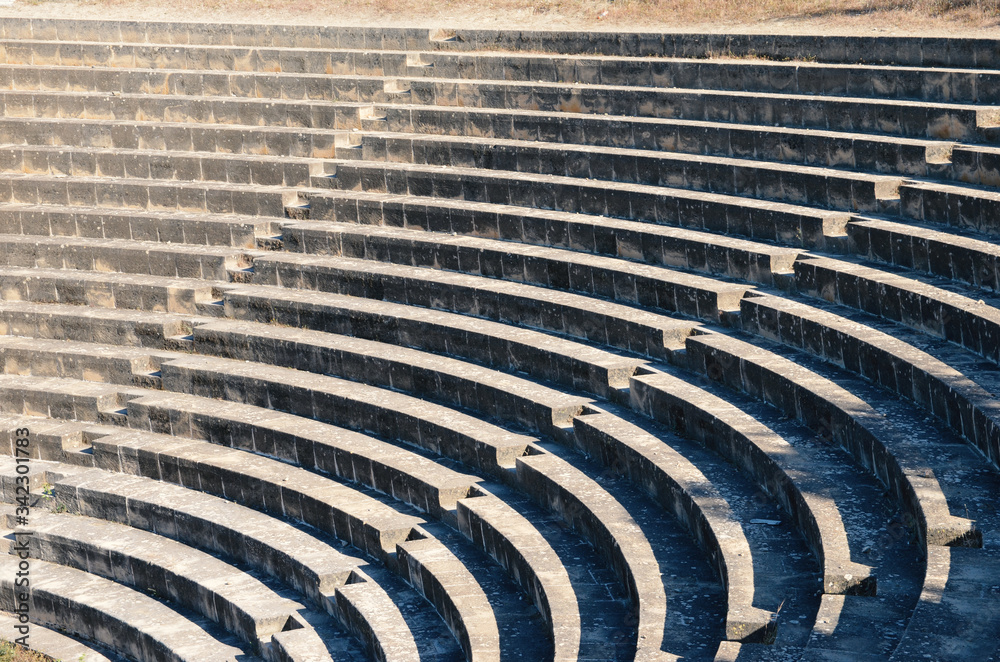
[(947, 17), (12, 653)]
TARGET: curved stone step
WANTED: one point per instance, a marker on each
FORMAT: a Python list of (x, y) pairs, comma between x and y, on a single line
[(514, 543), (147, 194), (384, 413), (389, 469), (948, 203), (121, 618), (832, 149), (890, 362), (51, 642), (763, 220), (602, 520), (854, 114), (970, 260), (109, 290), (246, 111), (122, 256), (238, 602), (492, 394), (750, 178), (500, 346), (334, 508), (956, 317), (566, 313), (644, 241), (109, 223), (111, 326), (687, 494), (843, 418), (782, 470), (618, 280)]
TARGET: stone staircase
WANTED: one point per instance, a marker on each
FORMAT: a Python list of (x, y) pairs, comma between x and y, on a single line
[(431, 345)]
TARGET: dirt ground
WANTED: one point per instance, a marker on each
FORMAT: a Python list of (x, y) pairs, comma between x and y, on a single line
[(979, 18)]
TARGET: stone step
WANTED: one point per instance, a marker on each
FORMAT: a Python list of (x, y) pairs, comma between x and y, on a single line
[(110, 326), (109, 223), (975, 164), (148, 195), (973, 260), (889, 155), (925, 306), (353, 457), (118, 617), (589, 509), (683, 491), (443, 580), (111, 290), (162, 165), (791, 477), (961, 582), (915, 119), (341, 511), (753, 178), (500, 346), (904, 51), (761, 220), (843, 418), (760, 75), (295, 142), (199, 109), (514, 543), (268, 545), (237, 601), (618, 280), (387, 414), (51, 642), (951, 204), (956, 576), (720, 73), (494, 395), (98, 363), (647, 241), (949, 394), (123, 256)]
